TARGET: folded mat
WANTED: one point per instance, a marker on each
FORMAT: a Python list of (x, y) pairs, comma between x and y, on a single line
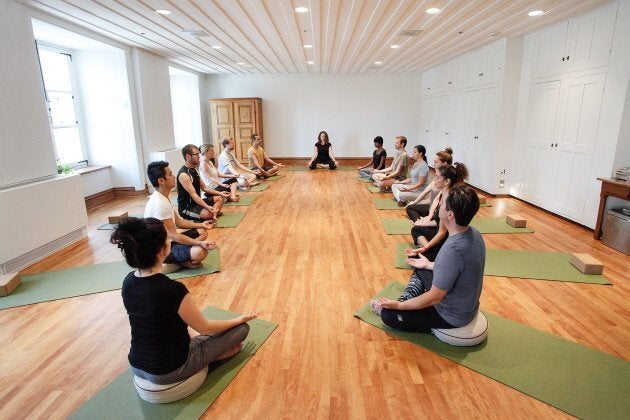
[(95, 278), (228, 220), (387, 204), (244, 200), (401, 255), (496, 225), (538, 265), (259, 187), (119, 399), (364, 180), (275, 177), (581, 381)]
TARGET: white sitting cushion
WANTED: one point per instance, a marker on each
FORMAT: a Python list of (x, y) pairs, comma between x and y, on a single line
[(469, 335), (170, 268), (161, 394)]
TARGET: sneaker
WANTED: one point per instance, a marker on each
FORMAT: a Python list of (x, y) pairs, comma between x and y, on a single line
[(376, 307)]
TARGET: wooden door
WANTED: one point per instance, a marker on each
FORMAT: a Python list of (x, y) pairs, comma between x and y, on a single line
[(222, 115), (244, 126), (237, 118)]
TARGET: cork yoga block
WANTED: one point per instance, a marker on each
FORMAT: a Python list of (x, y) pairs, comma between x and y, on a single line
[(586, 263), (516, 220), (114, 220), (8, 283)]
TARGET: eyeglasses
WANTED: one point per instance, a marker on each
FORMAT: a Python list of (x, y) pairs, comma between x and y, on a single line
[(195, 153)]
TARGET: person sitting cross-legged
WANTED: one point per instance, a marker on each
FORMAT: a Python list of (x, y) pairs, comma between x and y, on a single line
[(259, 160), (230, 166), (190, 205), (188, 248), (443, 294)]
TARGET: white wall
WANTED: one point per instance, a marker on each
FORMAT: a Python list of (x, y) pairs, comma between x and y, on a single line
[(353, 109), (26, 147)]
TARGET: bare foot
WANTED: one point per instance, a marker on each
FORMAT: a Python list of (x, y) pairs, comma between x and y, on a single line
[(231, 352), (190, 264), (376, 307)]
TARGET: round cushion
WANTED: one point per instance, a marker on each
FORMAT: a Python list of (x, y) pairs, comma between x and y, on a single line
[(170, 268), (469, 335), (161, 394)]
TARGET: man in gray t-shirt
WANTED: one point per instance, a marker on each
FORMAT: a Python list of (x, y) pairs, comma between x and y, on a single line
[(443, 294)]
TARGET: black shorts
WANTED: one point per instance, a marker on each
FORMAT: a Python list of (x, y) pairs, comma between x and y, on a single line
[(180, 253), (193, 212)]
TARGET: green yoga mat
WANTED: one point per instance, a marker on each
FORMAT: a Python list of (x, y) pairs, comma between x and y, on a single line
[(387, 204), (401, 256), (259, 188), (372, 188), (536, 265), (496, 225), (244, 200), (119, 399), (578, 380), (364, 180), (397, 226), (297, 168), (79, 281), (229, 220), (275, 177)]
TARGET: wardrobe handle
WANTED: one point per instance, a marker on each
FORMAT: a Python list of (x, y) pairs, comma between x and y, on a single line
[(555, 145)]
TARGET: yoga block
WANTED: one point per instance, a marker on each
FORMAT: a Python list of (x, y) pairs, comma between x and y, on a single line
[(8, 283), (587, 264), (482, 200), (516, 221), (114, 220)]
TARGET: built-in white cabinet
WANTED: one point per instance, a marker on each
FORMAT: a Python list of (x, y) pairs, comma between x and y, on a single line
[(564, 78), (578, 44)]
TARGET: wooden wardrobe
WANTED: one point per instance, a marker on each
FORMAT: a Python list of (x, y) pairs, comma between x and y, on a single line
[(238, 118)]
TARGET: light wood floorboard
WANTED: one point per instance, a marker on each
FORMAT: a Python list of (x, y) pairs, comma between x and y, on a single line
[(310, 251)]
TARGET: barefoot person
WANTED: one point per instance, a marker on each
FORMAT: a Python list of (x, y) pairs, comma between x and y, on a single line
[(444, 294), (322, 153), (260, 161), (379, 156), (211, 177), (160, 311), (188, 248), (384, 178), (230, 166)]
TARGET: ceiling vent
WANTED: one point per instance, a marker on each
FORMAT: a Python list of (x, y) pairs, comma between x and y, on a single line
[(410, 32), (196, 33)]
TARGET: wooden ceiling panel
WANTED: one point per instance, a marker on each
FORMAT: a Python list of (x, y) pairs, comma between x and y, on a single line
[(347, 36)]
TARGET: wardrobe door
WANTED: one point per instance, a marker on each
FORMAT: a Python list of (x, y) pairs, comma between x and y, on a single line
[(589, 39)]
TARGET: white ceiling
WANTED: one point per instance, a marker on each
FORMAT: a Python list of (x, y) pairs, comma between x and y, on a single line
[(347, 36)]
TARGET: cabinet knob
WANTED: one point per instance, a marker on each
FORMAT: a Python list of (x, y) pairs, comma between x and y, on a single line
[(568, 56), (563, 58), (555, 145), (446, 133)]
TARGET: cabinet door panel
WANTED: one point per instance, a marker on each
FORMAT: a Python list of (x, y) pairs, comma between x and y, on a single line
[(549, 47), (590, 39), (579, 111)]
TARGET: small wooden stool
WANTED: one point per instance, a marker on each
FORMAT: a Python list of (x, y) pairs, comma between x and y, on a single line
[(8, 283)]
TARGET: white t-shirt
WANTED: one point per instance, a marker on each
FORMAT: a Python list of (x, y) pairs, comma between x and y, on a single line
[(159, 207), (226, 163)]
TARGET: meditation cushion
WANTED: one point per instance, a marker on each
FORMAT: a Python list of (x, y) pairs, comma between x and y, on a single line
[(170, 268), (469, 335), (162, 394)]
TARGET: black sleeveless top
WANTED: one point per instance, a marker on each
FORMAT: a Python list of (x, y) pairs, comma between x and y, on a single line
[(322, 151), (183, 198), (376, 158)]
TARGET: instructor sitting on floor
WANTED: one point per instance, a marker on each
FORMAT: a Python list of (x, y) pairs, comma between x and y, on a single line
[(160, 311), (444, 294)]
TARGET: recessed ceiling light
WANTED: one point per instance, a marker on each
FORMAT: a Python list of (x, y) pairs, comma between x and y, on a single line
[(310, 62), (216, 47), (433, 10), (240, 63), (301, 9), (394, 46), (163, 11), (308, 46), (378, 63), (536, 13), (493, 34)]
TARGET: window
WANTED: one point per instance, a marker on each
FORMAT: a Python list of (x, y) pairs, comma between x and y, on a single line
[(186, 107), (56, 66)]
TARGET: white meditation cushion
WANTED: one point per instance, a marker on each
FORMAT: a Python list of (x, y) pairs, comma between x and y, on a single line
[(162, 394), (469, 335), (170, 268)]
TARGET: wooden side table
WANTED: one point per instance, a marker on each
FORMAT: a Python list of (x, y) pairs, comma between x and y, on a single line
[(614, 188)]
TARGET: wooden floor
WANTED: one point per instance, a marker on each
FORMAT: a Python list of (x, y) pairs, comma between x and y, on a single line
[(310, 252)]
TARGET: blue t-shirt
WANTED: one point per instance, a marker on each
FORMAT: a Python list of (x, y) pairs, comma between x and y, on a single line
[(458, 269)]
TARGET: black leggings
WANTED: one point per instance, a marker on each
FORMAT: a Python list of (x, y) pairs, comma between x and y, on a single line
[(416, 320), (416, 211), (328, 162)]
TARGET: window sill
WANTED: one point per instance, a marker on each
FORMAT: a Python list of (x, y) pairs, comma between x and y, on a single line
[(89, 169)]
